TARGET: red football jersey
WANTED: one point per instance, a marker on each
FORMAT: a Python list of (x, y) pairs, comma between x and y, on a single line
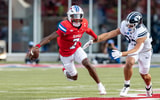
[(69, 36)]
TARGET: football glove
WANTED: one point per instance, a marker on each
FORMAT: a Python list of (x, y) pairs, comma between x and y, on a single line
[(87, 44), (116, 54)]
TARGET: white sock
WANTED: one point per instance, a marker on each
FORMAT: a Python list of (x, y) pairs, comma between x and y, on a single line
[(127, 82), (65, 72), (99, 84)]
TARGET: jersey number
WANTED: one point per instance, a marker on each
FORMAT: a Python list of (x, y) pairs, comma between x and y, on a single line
[(75, 42)]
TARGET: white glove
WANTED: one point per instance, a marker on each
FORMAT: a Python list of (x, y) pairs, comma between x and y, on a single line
[(87, 44), (116, 54)]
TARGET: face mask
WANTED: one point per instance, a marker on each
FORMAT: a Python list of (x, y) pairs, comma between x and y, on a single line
[(76, 20), (76, 24)]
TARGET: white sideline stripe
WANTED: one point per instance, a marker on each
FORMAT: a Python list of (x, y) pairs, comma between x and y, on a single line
[(149, 99)]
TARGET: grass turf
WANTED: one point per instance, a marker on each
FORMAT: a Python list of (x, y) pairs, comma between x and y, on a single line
[(50, 83)]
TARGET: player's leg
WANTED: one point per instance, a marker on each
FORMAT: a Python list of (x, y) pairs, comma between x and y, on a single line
[(144, 66), (69, 68), (91, 70), (130, 61), (81, 57)]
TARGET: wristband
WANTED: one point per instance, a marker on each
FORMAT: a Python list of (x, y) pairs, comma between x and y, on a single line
[(38, 45)]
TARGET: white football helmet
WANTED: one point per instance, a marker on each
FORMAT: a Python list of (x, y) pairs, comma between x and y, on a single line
[(134, 20), (75, 15)]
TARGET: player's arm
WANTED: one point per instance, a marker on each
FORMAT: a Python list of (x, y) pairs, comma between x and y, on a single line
[(48, 38), (102, 37), (35, 50), (108, 35), (91, 32), (138, 47), (90, 42)]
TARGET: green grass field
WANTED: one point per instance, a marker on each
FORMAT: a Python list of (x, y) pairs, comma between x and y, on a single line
[(50, 83)]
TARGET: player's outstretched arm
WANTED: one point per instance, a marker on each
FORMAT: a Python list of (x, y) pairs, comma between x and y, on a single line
[(48, 38), (102, 37), (34, 52), (108, 35)]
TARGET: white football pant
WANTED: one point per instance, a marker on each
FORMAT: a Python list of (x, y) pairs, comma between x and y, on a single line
[(68, 62), (144, 60)]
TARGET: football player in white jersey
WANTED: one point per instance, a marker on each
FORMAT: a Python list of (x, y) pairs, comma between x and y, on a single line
[(139, 49)]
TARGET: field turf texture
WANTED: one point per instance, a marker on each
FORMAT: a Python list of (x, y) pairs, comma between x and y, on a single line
[(50, 83)]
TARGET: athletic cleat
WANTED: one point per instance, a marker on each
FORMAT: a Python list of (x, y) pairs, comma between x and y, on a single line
[(125, 90), (149, 92), (102, 90)]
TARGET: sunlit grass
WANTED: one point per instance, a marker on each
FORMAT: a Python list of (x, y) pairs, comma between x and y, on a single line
[(50, 83)]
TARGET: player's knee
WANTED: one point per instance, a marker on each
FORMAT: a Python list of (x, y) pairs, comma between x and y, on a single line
[(88, 65), (130, 62), (86, 62), (129, 65), (146, 76)]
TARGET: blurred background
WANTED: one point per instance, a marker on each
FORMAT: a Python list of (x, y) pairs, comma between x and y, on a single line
[(22, 21)]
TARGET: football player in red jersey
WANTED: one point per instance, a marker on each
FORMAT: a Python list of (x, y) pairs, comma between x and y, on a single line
[(68, 35)]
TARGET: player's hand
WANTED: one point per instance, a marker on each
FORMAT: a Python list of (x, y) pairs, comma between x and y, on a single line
[(34, 53), (95, 40), (116, 54), (87, 44)]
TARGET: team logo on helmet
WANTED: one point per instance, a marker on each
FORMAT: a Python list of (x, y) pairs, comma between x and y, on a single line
[(75, 15), (134, 20)]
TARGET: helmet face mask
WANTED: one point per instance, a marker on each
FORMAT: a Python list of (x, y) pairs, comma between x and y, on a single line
[(75, 15), (76, 20), (131, 27), (134, 19)]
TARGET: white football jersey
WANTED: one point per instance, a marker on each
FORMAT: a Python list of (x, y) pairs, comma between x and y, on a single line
[(134, 35)]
